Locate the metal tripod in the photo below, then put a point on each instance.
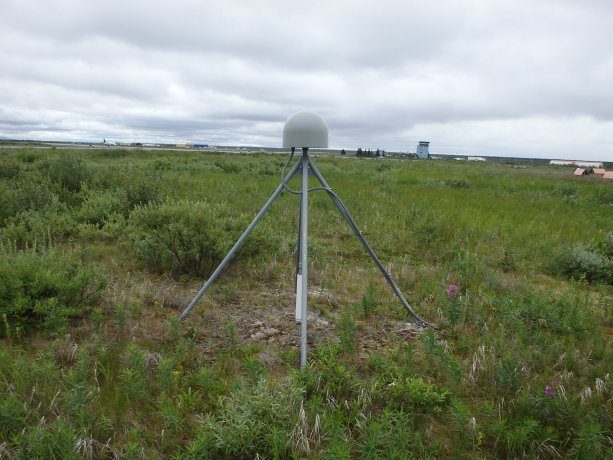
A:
(304, 164)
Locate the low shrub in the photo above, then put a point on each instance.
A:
(24, 195)
(429, 229)
(457, 183)
(112, 154)
(44, 290)
(9, 169)
(141, 187)
(98, 207)
(39, 229)
(508, 262)
(568, 314)
(604, 197)
(389, 434)
(47, 440)
(189, 237)
(328, 374)
(250, 421)
(68, 171)
(469, 268)
(414, 394)
(605, 246)
(132, 185)
(228, 166)
(592, 262)
(29, 155)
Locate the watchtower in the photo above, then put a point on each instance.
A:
(422, 149)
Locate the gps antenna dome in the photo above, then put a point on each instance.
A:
(305, 130)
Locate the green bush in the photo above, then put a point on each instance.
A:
(44, 290)
(228, 166)
(9, 169)
(250, 421)
(24, 195)
(328, 374)
(68, 171)
(47, 440)
(593, 262)
(604, 197)
(12, 417)
(39, 228)
(29, 155)
(188, 237)
(134, 185)
(141, 187)
(568, 314)
(112, 154)
(429, 228)
(414, 394)
(389, 434)
(605, 246)
(99, 206)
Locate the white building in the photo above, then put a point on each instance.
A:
(578, 163)
(588, 164)
(475, 159)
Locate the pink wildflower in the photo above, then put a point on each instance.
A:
(549, 391)
(452, 291)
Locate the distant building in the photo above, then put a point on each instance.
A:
(422, 149)
(599, 171)
(578, 163)
(475, 159)
(588, 164)
(580, 172)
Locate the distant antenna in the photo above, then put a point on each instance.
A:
(304, 130)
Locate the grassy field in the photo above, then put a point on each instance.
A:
(100, 250)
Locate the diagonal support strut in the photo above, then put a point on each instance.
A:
(343, 210)
(240, 241)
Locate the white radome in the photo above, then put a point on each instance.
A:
(305, 130)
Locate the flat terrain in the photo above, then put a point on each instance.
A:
(102, 249)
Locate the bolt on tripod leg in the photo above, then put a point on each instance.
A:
(343, 210)
(240, 241)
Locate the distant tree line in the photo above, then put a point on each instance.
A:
(369, 153)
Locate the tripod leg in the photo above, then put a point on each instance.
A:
(341, 207)
(240, 241)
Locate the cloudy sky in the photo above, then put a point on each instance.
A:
(530, 78)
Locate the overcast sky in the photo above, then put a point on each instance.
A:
(481, 77)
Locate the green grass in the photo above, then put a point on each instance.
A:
(116, 375)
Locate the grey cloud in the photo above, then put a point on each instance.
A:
(382, 74)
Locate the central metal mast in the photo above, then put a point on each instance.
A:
(304, 221)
